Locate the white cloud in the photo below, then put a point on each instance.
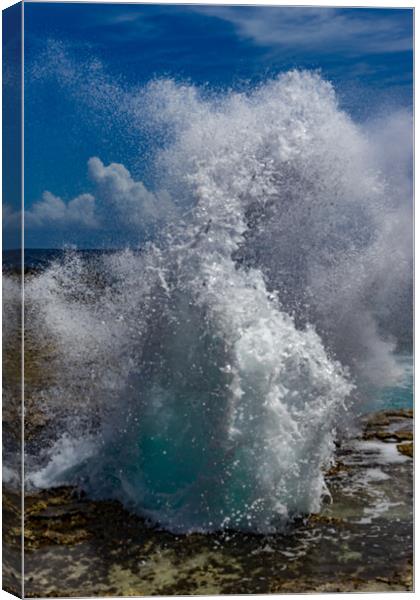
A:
(10, 218)
(128, 200)
(317, 28)
(117, 202)
(53, 211)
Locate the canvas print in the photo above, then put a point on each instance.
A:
(207, 299)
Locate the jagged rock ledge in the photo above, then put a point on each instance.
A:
(360, 542)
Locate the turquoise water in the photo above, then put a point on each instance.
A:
(399, 396)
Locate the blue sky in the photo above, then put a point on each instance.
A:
(78, 55)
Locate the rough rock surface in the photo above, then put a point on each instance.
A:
(360, 542)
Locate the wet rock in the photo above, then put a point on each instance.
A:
(406, 413)
(399, 436)
(406, 449)
(403, 435)
(339, 468)
(361, 542)
(389, 426)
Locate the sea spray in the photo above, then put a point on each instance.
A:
(198, 381)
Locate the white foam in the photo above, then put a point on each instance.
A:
(375, 474)
(381, 452)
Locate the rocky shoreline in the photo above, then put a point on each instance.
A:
(362, 541)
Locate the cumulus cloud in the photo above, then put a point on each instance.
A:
(53, 211)
(117, 203)
(127, 200)
(10, 218)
